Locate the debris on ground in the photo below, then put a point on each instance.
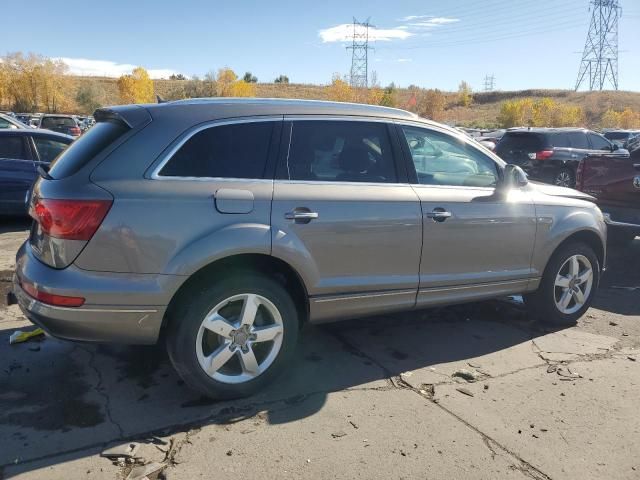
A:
(629, 357)
(613, 324)
(465, 374)
(567, 374)
(465, 391)
(353, 424)
(338, 434)
(126, 450)
(149, 471)
(19, 336)
(552, 368)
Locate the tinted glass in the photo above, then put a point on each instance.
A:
(598, 142)
(5, 123)
(560, 140)
(441, 159)
(578, 140)
(526, 142)
(49, 149)
(346, 151)
(85, 148)
(227, 151)
(617, 135)
(56, 122)
(12, 147)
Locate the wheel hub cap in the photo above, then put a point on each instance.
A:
(573, 284)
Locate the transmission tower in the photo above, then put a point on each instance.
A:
(359, 75)
(489, 83)
(600, 56)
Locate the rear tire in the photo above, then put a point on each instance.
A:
(231, 337)
(567, 287)
(565, 177)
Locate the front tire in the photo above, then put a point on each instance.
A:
(230, 338)
(567, 287)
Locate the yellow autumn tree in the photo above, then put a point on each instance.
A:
(629, 119)
(431, 104)
(136, 87)
(339, 90)
(225, 81)
(515, 113)
(465, 94)
(240, 88)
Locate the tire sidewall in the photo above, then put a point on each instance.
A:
(184, 327)
(544, 300)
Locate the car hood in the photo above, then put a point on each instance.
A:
(556, 191)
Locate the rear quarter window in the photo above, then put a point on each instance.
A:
(527, 142)
(99, 137)
(236, 150)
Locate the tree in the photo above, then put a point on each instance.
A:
(465, 94)
(515, 113)
(281, 79)
(137, 87)
(339, 90)
(224, 82)
(431, 103)
(249, 78)
(178, 76)
(240, 88)
(89, 97)
(389, 96)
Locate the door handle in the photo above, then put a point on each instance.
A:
(301, 216)
(439, 215)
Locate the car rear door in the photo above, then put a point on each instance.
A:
(344, 218)
(477, 242)
(17, 173)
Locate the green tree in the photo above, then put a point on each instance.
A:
(89, 97)
(281, 79)
(250, 78)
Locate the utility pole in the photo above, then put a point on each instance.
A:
(600, 57)
(489, 83)
(359, 75)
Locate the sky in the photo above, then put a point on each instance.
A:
(429, 43)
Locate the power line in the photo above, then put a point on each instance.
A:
(600, 56)
(359, 75)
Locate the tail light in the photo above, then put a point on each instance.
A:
(50, 298)
(74, 131)
(69, 219)
(580, 176)
(543, 154)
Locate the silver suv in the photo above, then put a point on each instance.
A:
(223, 226)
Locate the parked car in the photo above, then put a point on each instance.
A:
(615, 181)
(620, 137)
(21, 152)
(66, 124)
(551, 154)
(224, 225)
(9, 122)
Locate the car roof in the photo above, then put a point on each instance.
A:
(34, 132)
(547, 130)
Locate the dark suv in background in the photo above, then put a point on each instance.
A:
(551, 154)
(66, 124)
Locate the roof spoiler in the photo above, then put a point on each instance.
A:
(131, 115)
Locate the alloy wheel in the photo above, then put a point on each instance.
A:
(563, 179)
(573, 284)
(239, 338)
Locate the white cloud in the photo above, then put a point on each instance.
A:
(107, 68)
(405, 60)
(408, 18)
(434, 22)
(344, 33)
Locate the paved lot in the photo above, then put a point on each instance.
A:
(365, 399)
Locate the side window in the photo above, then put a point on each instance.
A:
(49, 149)
(441, 159)
(343, 151)
(227, 151)
(5, 123)
(560, 140)
(578, 140)
(598, 142)
(12, 147)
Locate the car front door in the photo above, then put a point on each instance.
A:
(17, 174)
(344, 218)
(477, 241)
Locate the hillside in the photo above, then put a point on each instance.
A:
(483, 111)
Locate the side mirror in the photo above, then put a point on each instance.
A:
(513, 177)
(615, 147)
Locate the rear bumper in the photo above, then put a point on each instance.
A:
(121, 308)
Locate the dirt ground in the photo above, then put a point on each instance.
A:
(373, 398)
